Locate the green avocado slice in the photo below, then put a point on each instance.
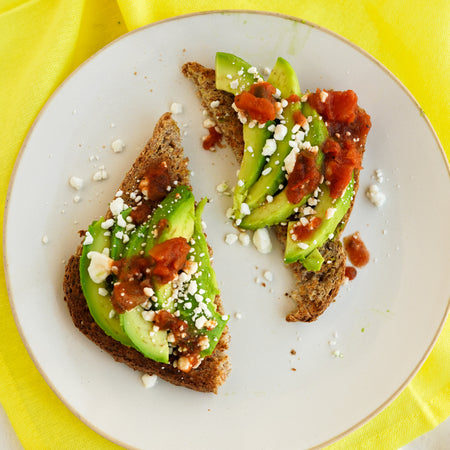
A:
(294, 251)
(100, 305)
(273, 175)
(280, 208)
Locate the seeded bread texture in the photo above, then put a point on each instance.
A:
(165, 145)
(314, 291)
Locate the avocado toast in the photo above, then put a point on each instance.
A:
(300, 158)
(141, 285)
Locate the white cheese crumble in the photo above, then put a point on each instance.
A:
(176, 108)
(148, 291)
(100, 175)
(374, 194)
(330, 213)
(88, 239)
(268, 275)
(76, 182)
(289, 161)
(245, 209)
(107, 224)
(234, 84)
(231, 238)
(149, 380)
(323, 96)
(76, 198)
(266, 171)
(280, 132)
(261, 240)
(44, 239)
(117, 206)
(117, 146)
(379, 175)
(269, 147)
(102, 291)
(215, 104)
(209, 123)
(302, 245)
(244, 239)
(99, 267)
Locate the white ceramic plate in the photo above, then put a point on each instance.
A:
(384, 323)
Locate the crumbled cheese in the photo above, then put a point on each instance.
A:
(269, 199)
(88, 239)
(44, 239)
(117, 206)
(107, 224)
(374, 194)
(234, 84)
(76, 183)
(307, 210)
(117, 146)
(215, 104)
(280, 132)
(323, 96)
(99, 267)
(100, 175)
(268, 275)
(379, 175)
(121, 221)
(269, 147)
(102, 291)
(266, 171)
(244, 239)
(289, 161)
(261, 240)
(200, 322)
(76, 198)
(209, 123)
(148, 315)
(245, 209)
(231, 238)
(302, 245)
(176, 108)
(149, 380)
(148, 291)
(330, 213)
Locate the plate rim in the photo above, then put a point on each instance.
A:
(61, 86)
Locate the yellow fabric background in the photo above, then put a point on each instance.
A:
(42, 41)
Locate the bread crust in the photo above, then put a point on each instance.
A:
(165, 144)
(314, 291)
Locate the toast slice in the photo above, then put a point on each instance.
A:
(314, 291)
(165, 145)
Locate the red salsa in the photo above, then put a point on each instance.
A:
(134, 274)
(350, 273)
(303, 232)
(304, 179)
(356, 250)
(213, 138)
(156, 181)
(258, 102)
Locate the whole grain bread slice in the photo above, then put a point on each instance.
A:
(165, 145)
(314, 291)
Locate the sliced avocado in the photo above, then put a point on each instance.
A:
(280, 208)
(117, 236)
(178, 210)
(228, 68)
(152, 344)
(207, 288)
(137, 242)
(273, 174)
(232, 73)
(99, 305)
(293, 251)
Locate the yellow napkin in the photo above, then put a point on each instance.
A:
(42, 41)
